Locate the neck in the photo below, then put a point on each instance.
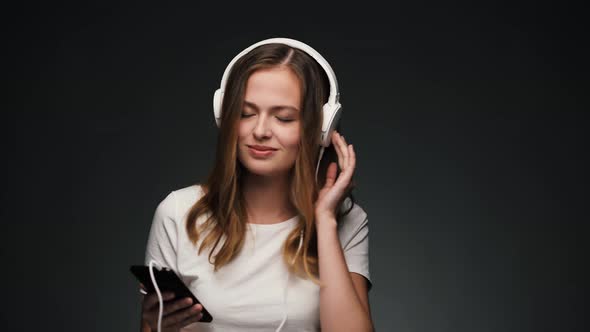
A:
(267, 198)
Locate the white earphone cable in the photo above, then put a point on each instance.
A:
(287, 284)
(296, 253)
(318, 165)
(152, 262)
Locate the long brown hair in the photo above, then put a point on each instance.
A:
(223, 200)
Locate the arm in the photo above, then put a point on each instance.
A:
(343, 302)
(360, 285)
(162, 240)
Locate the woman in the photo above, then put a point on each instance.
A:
(258, 239)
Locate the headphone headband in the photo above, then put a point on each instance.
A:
(334, 94)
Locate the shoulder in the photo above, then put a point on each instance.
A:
(189, 194)
(177, 199)
(352, 223)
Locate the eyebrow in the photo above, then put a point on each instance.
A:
(274, 108)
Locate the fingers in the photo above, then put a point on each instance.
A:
(346, 158)
(175, 314)
(177, 305)
(190, 320)
(151, 300)
(344, 151)
(350, 158)
(336, 141)
(184, 317)
(331, 175)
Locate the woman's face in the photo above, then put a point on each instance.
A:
(270, 118)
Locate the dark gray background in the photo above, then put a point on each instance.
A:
(468, 121)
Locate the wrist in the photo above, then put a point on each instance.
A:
(325, 221)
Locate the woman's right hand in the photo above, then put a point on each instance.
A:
(176, 314)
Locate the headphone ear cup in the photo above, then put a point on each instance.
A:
(332, 114)
(217, 98)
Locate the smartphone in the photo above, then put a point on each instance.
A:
(167, 281)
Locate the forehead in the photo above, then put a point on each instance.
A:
(273, 86)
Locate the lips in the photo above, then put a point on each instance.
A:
(260, 154)
(261, 148)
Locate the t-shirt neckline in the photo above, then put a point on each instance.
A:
(283, 223)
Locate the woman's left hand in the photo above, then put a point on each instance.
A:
(332, 194)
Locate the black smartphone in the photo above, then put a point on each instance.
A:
(167, 281)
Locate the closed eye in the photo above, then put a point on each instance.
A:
(280, 119)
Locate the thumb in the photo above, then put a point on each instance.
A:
(330, 175)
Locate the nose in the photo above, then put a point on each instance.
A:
(262, 129)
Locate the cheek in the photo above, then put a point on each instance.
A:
(242, 131)
(291, 140)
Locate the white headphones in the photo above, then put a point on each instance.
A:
(332, 109)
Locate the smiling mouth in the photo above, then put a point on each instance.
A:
(260, 153)
(267, 149)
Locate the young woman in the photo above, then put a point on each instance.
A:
(273, 240)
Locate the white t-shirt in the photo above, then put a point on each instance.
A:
(248, 293)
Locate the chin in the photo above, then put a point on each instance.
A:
(257, 167)
(263, 171)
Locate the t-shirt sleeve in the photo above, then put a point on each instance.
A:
(162, 240)
(356, 242)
